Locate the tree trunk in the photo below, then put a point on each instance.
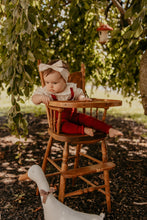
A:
(143, 81)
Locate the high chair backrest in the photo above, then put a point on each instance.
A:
(78, 78)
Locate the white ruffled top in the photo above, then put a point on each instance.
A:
(62, 96)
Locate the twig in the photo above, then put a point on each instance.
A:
(140, 203)
(133, 160)
(36, 210)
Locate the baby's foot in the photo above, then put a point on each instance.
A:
(89, 131)
(114, 133)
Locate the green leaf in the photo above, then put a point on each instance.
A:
(136, 24)
(28, 27)
(17, 107)
(23, 3)
(31, 56)
(128, 13)
(128, 34)
(21, 101)
(32, 12)
(13, 100)
(138, 32)
(26, 91)
(28, 76)
(86, 5)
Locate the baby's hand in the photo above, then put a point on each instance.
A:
(83, 98)
(87, 99)
(45, 99)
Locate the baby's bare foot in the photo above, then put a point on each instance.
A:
(114, 133)
(89, 131)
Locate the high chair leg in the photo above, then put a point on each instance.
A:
(106, 176)
(76, 162)
(107, 190)
(104, 151)
(46, 154)
(64, 167)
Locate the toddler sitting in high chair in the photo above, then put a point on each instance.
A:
(55, 75)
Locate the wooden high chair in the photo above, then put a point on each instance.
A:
(78, 140)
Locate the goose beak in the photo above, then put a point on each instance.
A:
(23, 177)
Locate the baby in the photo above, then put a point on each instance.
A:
(56, 87)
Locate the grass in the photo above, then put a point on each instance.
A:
(127, 110)
(28, 107)
(132, 110)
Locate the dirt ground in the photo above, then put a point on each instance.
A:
(127, 180)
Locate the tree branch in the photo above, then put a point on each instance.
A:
(118, 5)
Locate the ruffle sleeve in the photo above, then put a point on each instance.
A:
(77, 92)
(42, 91)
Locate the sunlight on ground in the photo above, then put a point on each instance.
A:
(11, 139)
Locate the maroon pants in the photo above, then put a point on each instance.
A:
(74, 123)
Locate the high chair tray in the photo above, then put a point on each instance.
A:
(96, 103)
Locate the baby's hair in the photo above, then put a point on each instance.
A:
(49, 70)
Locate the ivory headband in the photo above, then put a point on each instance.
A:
(58, 66)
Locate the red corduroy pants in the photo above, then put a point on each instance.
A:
(74, 123)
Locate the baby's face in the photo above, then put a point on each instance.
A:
(54, 82)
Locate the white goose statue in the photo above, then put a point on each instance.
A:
(53, 208)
